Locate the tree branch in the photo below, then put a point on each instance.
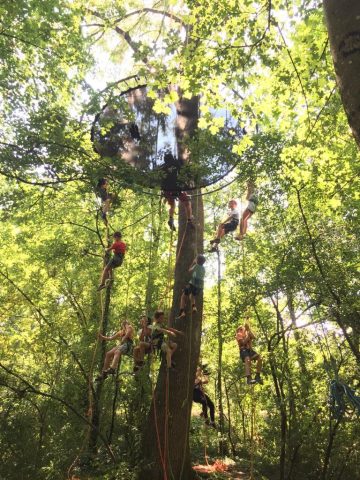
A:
(152, 10)
(296, 72)
(31, 389)
(39, 184)
(48, 323)
(133, 45)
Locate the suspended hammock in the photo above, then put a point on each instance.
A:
(127, 129)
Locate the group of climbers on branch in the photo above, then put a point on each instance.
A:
(151, 340)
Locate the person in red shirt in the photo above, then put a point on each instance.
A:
(119, 248)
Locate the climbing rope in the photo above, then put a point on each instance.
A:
(337, 391)
(252, 432)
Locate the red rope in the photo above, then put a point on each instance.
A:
(158, 438)
(166, 446)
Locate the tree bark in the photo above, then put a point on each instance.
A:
(166, 433)
(96, 391)
(326, 461)
(343, 24)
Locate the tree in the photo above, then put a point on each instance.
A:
(344, 35)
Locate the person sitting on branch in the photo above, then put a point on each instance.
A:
(229, 225)
(199, 396)
(119, 248)
(144, 346)
(250, 209)
(113, 356)
(244, 337)
(195, 285)
(107, 198)
(171, 191)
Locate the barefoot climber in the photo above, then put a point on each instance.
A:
(244, 337)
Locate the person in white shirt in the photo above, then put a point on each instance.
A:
(229, 225)
(250, 209)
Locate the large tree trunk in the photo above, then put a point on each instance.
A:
(166, 433)
(343, 24)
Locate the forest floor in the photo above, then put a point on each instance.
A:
(221, 470)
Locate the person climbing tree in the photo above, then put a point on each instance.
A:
(244, 337)
(250, 209)
(158, 341)
(119, 248)
(144, 346)
(170, 190)
(199, 396)
(107, 198)
(153, 339)
(195, 285)
(229, 225)
(125, 347)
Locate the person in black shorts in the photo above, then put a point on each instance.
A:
(244, 336)
(171, 190)
(107, 198)
(229, 225)
(199, 396)
(119, 248)
(195, 285)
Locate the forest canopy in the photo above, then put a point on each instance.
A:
(241, 99)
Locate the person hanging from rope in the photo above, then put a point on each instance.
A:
(199, 396)
(158, 342)
(144, 346)
(170, 190)
(244, 337)
(229, 225)
(112, 357)
(250, 209)
(107, 198)
(119, 248)
(195, 285)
